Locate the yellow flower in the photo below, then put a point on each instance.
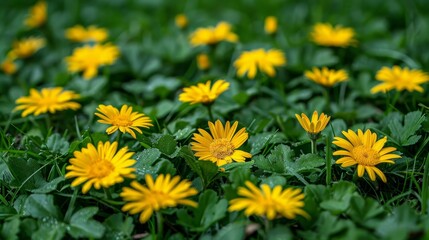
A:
(213, 35)
(163, 193)
(181, 20)
(26, 47)
(316, 125)
(269, 203)
(326, 77)
(203, 93)
(203, 61)
(270, 25)
(221, 145)
(251, 61)
(49, 99)
(400, 79)
(92, 34)
(363, 150)
(101, 167)
(325, 34)
(89, 58)
(8, 66)
(37, 15)
(125, 120)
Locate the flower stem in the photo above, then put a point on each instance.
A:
(118, 137)
(71, 206)
(391, 104)
(209, 110)
(159, 224)
(267, 224)
(107, 193)
(328, 161)
(314, 146)
(425, 186)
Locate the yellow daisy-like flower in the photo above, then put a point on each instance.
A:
(89, 58)
(325, 34)
(326, 77)
(91, 34)
(125, 120)
(26, 47)
(213, 35)
(363, 150)
(203, 93)
(269, 203)
(103, 166)
(8, 66)
(317, 123)
(203, 61)
(221, 145)
(48, 100)
(37, 15)
(163, 193)
(400, 79)
(251, 61)
(270, 25)
(181, 20)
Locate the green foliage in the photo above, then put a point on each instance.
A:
(404, 129)
(210, 210)
(157, 61)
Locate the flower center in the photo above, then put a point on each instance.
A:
(47, 101)
(101, 169)
(205, 98)
(365, 155)
(122, 122)
(221, 148)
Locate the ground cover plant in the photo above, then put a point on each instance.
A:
(214, 120)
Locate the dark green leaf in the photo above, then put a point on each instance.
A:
(118, 227)
(166, 144)
(210, 210)
(83, 226)
(309, 162)
(50, 186)
(50, 229)
(57, 144)
(41, 206)
(10, 229)
(405, 133)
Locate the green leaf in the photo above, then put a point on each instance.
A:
(208, 170)
(50, 186)
(41, 206)
(50, 229)
(25, 172)
(57, 144)
(187, 154)
(273, 181)
(10, 229)
(399, 224)
(183, 133)
(363, 210)
(83, 226)
(279, 159)
(323, 57)
(231, 231)
(210, 210)
(149, 162)
(309, 162)
(280, 233)
(118, 226)
(339, 197)
(405, 132)
(166, 144)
